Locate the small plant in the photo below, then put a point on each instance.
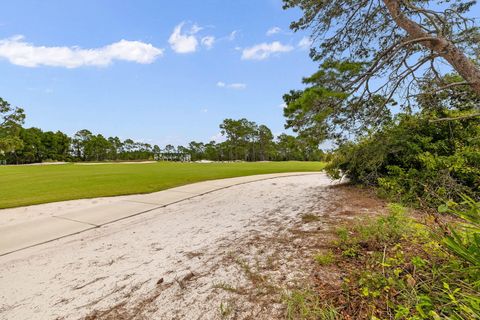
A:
(325, 258)
(385, 230)
(306, 305)
(225, 310)
(254, 276)
(347, 243)
(227, 287)
(464, 238)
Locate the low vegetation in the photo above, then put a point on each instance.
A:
(415, 161)
(394, 267)
(26, 185)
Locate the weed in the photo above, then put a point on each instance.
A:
(347, 243)
(306, 305)
(225, 310)
(227, 287)
(325, 258)
(385, 230)
(254, 276)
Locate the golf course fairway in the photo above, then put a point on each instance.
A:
(28, 185)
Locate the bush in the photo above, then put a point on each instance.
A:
(415, 161)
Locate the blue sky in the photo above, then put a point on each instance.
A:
(182, 67)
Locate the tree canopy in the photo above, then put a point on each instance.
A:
(11, 119)
(400, 45)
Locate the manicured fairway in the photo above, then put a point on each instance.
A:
(26, 185)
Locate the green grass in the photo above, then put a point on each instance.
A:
(306, 305)
(27, 185)
(324, 259)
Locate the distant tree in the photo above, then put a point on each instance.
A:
(80, 139)
(197, 150)
(240, 136)
(96, 148)
(116, 146)
(287, 147)
(32, 149)
(11, 120)
(265, 142)
(55, 146)
(231, 129)
(156, 151)
(169, 148)
(214, 151)
(128, 145)
(182, 149)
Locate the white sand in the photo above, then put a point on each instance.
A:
(112, 162)
(122, 263)
(40, 163)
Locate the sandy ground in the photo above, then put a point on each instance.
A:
(40, 164)
(184, 261)
(112, 162)
(81, 163)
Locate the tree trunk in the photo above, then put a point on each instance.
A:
(442, 46)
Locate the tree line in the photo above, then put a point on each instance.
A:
(244, 140)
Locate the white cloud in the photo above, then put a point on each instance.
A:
(208, 41)
(235, 86)
(305, 43)
(204, 110)
(264, 50)
(195, 29)
(184, 42)
(273, 30)
(232, 35)
(22, 53)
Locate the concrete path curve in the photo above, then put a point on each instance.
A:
(72, 218)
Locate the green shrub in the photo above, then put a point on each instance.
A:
(306, 305)
(415, 161)
(325, 258)
(385, 230)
